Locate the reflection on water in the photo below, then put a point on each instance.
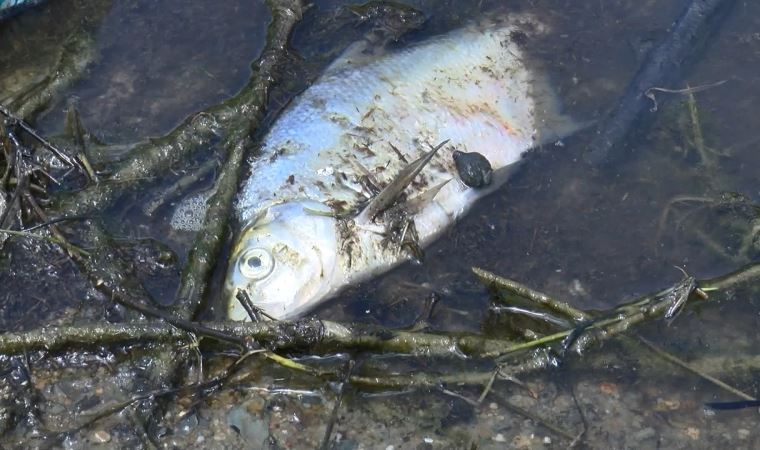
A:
(593, 238)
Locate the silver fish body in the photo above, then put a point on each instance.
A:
(303, 236)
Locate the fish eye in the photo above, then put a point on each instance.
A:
(256, 263)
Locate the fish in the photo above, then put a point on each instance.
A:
(357, 174)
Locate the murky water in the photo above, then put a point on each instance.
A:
(594, 238)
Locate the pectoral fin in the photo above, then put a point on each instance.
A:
(387, 197)
(416, 204)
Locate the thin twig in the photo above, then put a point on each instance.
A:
(684, 365)
(336, 408)
(541, 299)
(689, 90)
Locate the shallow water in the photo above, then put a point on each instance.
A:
(593, 238)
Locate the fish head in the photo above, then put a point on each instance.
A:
(285, 259)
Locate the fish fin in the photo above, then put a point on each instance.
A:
(551, 121)
(358, 54)
(390, 193)
(415, 205)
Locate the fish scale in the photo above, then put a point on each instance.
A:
(358, 102)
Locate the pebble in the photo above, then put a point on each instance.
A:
(101, 437)
(644, 434)
(607, 388)
(499, 438)
(692, 433)
(743, 433)
(663, 404)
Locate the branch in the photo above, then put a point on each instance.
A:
(239, 117)
(663, 66)
(234, 118)
(305, 334)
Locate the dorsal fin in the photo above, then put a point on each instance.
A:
(390, 193)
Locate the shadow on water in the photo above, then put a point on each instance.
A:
(592, 237)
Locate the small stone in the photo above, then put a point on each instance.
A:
(642, 435)
(743, 433)
(522, 441)
(255, 405)
(390, 447)
(547, 440)
(692, 433)
(499, 438)
(610, 389)
(493, 406)
(663, 404)
(427, 440)
(101, 437)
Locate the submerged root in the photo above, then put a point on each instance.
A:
(731, 211)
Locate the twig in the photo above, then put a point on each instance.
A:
(541, 299)
(234, 119)
(51, 239)
(179, 322)
(684, 365)
(488, 387)
(78, 51)
(253, 311)
(71, 162)
(336, 408)
(313, 333)
(674, 298)
(310, 334)
(569, 435)
(746, 274)
(649, 93)
(179, 186)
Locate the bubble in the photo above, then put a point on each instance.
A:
(189, 213)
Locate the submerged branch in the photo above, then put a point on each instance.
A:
(232, 119)
(209, 240)
(314, 334)
(663, 66)
(278, 336)
(77, 53)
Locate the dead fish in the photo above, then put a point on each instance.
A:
(361, 162)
